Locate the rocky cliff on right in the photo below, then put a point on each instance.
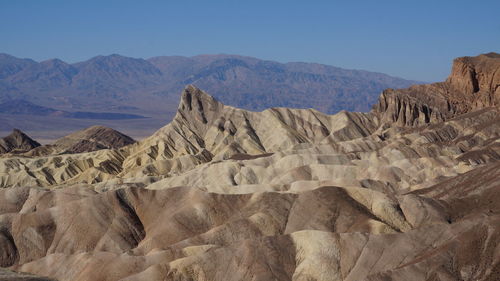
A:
(474, 83)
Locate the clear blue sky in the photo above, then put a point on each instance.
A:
(410, 39)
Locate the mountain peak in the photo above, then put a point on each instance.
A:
(194, 98)
(17, 141)
(93, 138)
(53, 62)
(10, 65)
(113, 59)
(108, 57)
(116, 71)
(470, 75)
(6, 56)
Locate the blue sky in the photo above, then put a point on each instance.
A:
(410, 39)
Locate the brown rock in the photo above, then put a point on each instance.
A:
(17, 142)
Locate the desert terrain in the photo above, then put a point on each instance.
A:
(407, 191)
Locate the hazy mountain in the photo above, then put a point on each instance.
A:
(114, 75)
(87, 140)
(153, 84)
(46, 75)
(17, 141)
(10, 65)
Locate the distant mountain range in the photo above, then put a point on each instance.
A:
(129, 85)
(23, 107)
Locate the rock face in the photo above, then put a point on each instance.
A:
(87, 140)
(478, 79)
(409, 191)
(474, 83)
(18, 142)
(93, 138)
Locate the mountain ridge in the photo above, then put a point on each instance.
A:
(241, 81)
(17, 142)
(87, 140)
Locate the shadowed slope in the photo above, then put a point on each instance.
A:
(185, 233)
(17, 142)
(87, 140)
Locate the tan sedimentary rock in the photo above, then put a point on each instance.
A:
(87, 140)
(325, 234)
(17, 142)
(474, 83)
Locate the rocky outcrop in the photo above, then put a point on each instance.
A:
(412, 108)
(477, 79)
(87, 140)
(474, 83)
(17, 142)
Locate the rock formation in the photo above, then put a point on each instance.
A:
(474, 83)
(17, 142)
(91, 139)
(409, 191)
